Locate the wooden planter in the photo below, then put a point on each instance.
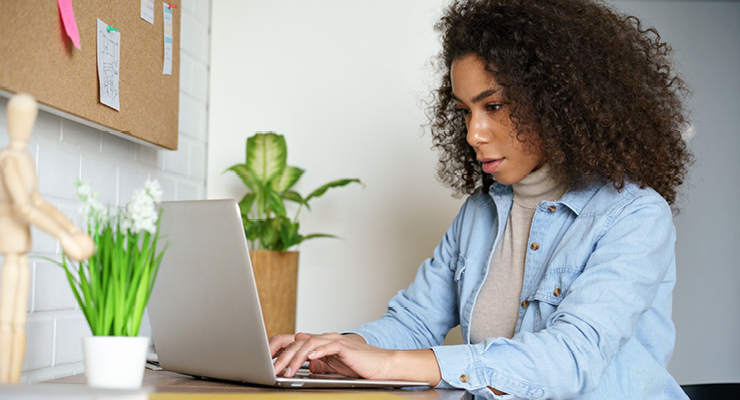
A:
(276, 275)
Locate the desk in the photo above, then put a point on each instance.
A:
(165, 385)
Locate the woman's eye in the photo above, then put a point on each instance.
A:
(493, 107)
(463, 111)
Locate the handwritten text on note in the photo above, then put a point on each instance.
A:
(167, 67)
(147, 11)
(109, 61)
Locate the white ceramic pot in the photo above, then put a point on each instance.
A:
(115, 362)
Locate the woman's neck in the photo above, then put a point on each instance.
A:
(537, 186)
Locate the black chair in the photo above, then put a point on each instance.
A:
(713, 391)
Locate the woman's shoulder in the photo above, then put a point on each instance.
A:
(605, 199)
(483, 205)
(484, 198)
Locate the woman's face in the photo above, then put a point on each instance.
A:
(480, 99)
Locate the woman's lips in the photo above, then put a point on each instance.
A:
(490, 165)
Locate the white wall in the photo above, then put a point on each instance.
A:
(65, 151)
(706, 39)
(343, 81)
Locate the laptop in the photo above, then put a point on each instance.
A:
(204, 310)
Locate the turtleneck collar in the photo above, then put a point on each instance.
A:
(536, 187)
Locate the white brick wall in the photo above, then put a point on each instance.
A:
(66, 151)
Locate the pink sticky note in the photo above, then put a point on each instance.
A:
(68, 19)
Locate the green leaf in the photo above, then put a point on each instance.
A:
(266, 173)
(275, 202)
(113, 286)
(294, 197)
(289, 234)
(261, 199)
(338, 183)
(246, 175)
(245, 205)
(270, 235)
(267, 155)
(319, 235)
(253, 229)
(287, 179)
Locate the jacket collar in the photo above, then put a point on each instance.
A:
(574, 199)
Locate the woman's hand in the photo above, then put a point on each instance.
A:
(349, 355)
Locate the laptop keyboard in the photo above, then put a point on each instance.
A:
(305, 373)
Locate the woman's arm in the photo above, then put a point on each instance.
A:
(421, 315)
(417, 318)
(349, 355)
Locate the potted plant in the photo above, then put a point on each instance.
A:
(271, 232)
(112, 288)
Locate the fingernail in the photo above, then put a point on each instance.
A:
(312, 354)
(288, 372)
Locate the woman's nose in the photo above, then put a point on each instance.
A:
(478, 133)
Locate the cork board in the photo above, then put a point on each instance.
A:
(38, 58)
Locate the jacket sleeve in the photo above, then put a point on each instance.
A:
(632, 256)
(422, 315)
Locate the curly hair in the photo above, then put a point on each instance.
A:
(589, 86)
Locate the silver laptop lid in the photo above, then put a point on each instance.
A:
(204, 309)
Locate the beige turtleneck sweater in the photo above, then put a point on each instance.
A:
(497, 306)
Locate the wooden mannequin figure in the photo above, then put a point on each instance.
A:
(22, 205)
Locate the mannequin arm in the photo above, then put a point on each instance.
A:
(76, 244)
(22, 201)
(52, 212)
(13, 183)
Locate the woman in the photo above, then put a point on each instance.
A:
(560, 265)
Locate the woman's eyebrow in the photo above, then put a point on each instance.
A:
(481, 96)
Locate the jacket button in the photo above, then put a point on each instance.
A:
(552, 208)
(464, 378)
(525, 304)
(556, 292)
(534, 246)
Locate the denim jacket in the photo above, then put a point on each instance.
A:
(595, 314)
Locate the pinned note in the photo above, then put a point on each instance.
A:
(167, 67)
(68, 19)
(147, 11)
(109, 61)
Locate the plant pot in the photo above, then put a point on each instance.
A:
(276, 275)
(115, 362)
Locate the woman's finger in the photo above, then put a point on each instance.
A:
(335, 356)
(286, 357)
(301, 353)
(318, 367)
(295, 354)
(303, 336)
(324, 350)
(279, 342)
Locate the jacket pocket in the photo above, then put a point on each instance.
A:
(555, 285)
(552, 289)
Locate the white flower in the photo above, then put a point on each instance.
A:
(141, 213)
(154, 190)
(125, 225)
(93, 211)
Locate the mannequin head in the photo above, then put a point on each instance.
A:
(22, 111)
